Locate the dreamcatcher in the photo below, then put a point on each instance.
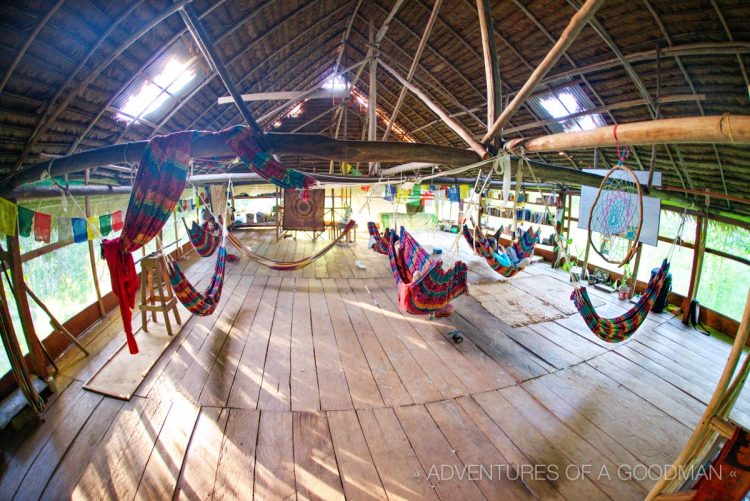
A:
(616, 215)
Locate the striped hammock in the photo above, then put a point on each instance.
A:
(423, 286)
(524, 245)
(205, 242)
(614, 330)
(381, 241)
(290, 265)
(483, 248)
(197, 303)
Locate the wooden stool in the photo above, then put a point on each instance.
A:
(154, 273)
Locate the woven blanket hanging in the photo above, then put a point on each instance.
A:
(620, 328)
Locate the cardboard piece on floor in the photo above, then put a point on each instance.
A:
(123, 373)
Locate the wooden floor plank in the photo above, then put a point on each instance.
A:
(334, 388)
(235, 470)
(411, 374)
(362, 387)
(305, 394)
(198, 472)
(275, 390)
(539, 449)
(397, 463)
(163, 467)
(436, 455)
(246, 385)
(315, 467)
(473, 448)
(358, 473)
(274, 457)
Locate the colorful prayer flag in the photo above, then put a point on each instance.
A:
(42, 227)
(64, 229)
(105, 224)
(93, 223)
(415, 197)
(8, 217)
(464, 191)
(80, 232)
(25, 221)
(117, 220)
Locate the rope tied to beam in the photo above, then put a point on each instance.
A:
(727, 117)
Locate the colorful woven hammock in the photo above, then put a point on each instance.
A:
(423, 286)
(197, 303)
(157, 188)
(158, 185)
(620, 328)
(290, 265)
(524, 245)
(483, 248)
(244, 144)
(205, 242)
(381, 241)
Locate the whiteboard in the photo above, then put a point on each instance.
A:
(651, 213)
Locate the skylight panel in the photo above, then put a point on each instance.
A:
(154, 93)
(571, 101)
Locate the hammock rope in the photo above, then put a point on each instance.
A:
(290, 265)
(423, 286)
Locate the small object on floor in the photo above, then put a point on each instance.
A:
(456, 336)
(232, 258)
(360, 265)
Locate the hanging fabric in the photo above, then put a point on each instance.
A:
(423, 286)
(117, 221)
(158, 185)
(64, 229)
(291, 265)
(25, 221)
(8, 217)
(80, 230)
(620, 328)
(524, 245)
(244, 144)
(42, 227)
(105, 224)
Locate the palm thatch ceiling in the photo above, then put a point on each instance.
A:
(68, 67)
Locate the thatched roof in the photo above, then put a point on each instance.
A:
(69, 83)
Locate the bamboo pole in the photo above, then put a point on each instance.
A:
(414, 64)
(577, 23)
(372, 101)
(491, 68)
(459, 129)
(712, 409)
(724, 129)
(92, 254)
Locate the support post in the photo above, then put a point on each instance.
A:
(92, 253)
(695, 272)
(372, 101)
(24, 312)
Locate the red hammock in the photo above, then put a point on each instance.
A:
(423, 286)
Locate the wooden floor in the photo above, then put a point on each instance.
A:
(310, 384)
